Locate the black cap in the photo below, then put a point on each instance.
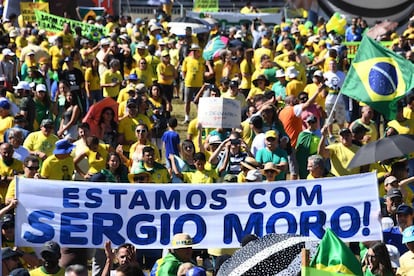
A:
(131, 102)
(51, 247)
(7, 253)
(404, 209)
(234, 83)
(68, 59)
(345, 131)
(394, 192)
(358, 128)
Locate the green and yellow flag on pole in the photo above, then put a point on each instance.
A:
(378, 77)
(334, 257)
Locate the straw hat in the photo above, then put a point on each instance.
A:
(181, 240)
(270, 166)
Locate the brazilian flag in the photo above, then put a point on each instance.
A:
(378, 77)
(334, 256)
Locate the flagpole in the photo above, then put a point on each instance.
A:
(333, 108)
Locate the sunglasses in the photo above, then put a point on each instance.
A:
(141, 130)
(303, 99)
(140, 178)
(32, 168)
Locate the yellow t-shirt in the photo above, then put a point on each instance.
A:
(58, 169)
(40, 271)
(246, 68)
(311, 89)
(194, 69)
(167, 70)
(201, 177)
(258, 53)
(5, 124)
(37, 141)
(144, 76)
(92, 79)
(110, 77)
(294, 87)
(15, 168)
(340, 158)
(97, 159)
(57, 55)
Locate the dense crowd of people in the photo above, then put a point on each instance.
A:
(287, 78)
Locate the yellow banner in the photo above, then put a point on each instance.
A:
(27, 10)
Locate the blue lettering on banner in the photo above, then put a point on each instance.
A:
(97, 201)
(162, 202)
(286, 196)
(355, 219)
(66, 228)
(201, 195)
(315, 225)
(34, 220)
(149, 231)
(302, 192)
(165, 230)
(117, 194)
(288, 217)
(199, 223)
(232, 222)
(68, 194)
(100, 228)
(139, 199)
(215, 195)
(251, 201)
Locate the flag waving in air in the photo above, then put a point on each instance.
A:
(334, 256)
(378, 77)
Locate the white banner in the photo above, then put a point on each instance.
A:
(219, 113)
(84, 214)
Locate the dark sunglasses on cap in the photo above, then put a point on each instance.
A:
(140, 178)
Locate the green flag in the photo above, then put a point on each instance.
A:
(378, 77)
(334, 256)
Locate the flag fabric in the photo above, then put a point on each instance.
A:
(334, 256)
(378, 77)
(311, 271)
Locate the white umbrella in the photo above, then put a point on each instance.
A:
(178, 28)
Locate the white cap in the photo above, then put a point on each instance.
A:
(105, 41)
(291, 72)
(254, 175)
(22, 85)
(215, 139)
(7, 52)
(280, 73)
(40, 87)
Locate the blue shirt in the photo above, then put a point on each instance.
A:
(171, 140)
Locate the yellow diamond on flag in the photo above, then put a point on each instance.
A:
(381, 78)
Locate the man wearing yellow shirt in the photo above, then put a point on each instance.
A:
(193, 72)
(312, 88)
(166, 76)
(316, 167)
(111, 80)
(159, 174)
(42, 143)
(60, 165)
(50, 254)
(340, 154)
(201, 175)
(294, 86)
(9, 167)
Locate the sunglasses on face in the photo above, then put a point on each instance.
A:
(33, 168)
(140, 178)
(141, 130)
